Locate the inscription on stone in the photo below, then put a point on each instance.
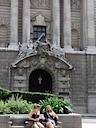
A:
(40, 4)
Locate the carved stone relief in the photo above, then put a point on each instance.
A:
(75, 4)
(45, 4)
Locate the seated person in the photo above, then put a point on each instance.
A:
(50, 115)
(34, 116)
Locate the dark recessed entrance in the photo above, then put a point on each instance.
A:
(40, 81)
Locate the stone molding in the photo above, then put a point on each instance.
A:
(47, 18)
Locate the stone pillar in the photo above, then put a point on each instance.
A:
(26, 21)
(90, 26)
(67, 25)
(84, 21)
(14, 25)
(56, 22)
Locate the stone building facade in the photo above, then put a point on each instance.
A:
(50, 46)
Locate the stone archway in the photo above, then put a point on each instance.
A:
(40, 81)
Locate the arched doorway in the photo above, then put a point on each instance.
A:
(40, 81)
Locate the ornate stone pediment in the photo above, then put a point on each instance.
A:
(42, 49)
(46, 18)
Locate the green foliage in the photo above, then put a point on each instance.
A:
(15, 102)
(34, 97)
(15, 105)
(2, 106)
(59, 105)
(4, 93)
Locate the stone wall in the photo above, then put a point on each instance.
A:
(83, 79)
(6, 58)
(4, 119)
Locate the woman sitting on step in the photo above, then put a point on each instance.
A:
(38, 122)
(34, 116)
(51, 116)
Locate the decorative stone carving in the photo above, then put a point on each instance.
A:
(20, 71)
(40, 4)
(75, 4)
(40, 47)
(42, 55)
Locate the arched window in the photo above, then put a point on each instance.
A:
(3, 35)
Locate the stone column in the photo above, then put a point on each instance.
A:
(84, 21)
(56, 22)
(26, 21)
(90, 26)
(14, 25)
(67, 25)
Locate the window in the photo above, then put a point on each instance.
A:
(37, 32)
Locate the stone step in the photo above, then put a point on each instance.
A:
(17, 126)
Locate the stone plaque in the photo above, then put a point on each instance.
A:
(43, 4)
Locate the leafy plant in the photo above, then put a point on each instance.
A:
(34, 97)
(1, 106)
(16, 105)
(59, 105)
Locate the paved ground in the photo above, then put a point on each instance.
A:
(89, 122)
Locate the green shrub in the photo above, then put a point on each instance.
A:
(59, 105)
(15, 105)
(2, 106)
(34, 97)
(15, 102)
(4, 94)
